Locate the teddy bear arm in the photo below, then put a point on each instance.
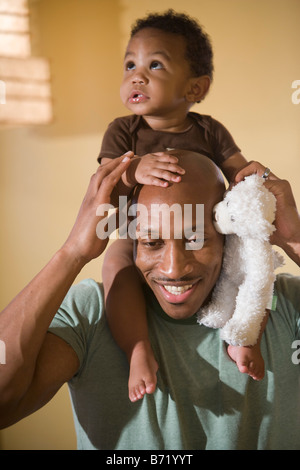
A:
(253, 297)
(222, 304)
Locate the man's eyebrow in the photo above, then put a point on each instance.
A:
(148, 232)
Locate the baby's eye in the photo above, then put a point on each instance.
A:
(130, 65)
(156, 65)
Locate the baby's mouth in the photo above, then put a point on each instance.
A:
(138, 97)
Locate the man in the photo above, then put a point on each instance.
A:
(202, 401)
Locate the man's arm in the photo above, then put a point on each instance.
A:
(287, 222)
(37, 362)
(56, 364)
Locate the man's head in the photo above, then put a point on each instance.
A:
(182, 279)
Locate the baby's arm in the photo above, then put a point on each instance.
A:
(126, 314)
(232, 165)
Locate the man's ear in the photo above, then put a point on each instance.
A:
(198, 89)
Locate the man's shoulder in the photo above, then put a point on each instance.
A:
(287, 295)
(85, 299)
(288, 283)
(86, 286)
(80, 317)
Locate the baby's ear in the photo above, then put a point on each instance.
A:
(198, 89)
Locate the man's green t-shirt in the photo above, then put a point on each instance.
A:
(202, 401)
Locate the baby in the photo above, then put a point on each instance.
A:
(168, 67)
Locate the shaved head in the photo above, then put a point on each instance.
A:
(202, 182)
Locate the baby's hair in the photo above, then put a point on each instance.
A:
(198, 45)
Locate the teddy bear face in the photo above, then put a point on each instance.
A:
(223, 218)
(247, 210)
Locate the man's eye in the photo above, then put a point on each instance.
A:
(130, 65)
(154, 244)
(195, 243)
(156, 65)
(194, 240)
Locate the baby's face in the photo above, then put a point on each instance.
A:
(156, 74)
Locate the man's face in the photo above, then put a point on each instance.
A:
(181, 278)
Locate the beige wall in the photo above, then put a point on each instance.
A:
(44, 171)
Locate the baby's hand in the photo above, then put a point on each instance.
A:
(158, 169)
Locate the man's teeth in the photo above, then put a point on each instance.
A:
(176, 290)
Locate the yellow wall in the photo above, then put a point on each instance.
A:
(44, 171)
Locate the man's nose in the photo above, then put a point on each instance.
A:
(176, 261)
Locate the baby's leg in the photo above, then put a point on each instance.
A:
(126, 314)
(249, 359)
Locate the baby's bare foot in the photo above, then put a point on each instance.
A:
(143, 368)
(248, 359)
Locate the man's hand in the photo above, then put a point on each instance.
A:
(158, 169)
(287, 221)
(83, 241)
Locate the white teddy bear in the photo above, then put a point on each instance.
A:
(245, 286)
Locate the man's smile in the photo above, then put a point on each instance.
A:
(176, 290)
(177, 293)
